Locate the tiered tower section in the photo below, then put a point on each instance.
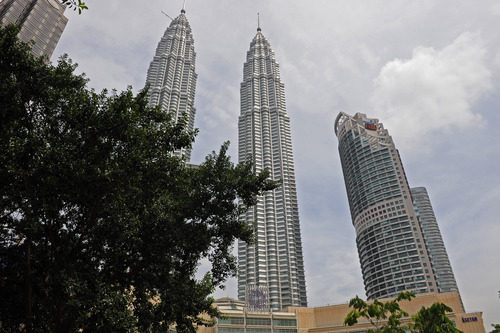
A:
(391, 246)
(274, 260)
(171, 75)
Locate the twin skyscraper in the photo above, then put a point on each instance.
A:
(399, 243)
(273, 264)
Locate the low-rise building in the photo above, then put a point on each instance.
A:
(239, 318)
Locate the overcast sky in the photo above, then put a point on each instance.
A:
(428, 69)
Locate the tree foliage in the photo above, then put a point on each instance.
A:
(101, 228)
(496, 328)
(75, 5)
(434, 320)
(384, 317)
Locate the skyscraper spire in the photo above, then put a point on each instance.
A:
(172, 77)
(274, 261)
(258, 22)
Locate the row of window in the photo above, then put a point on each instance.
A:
(253, 330)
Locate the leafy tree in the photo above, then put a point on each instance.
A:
(496, 328)
(101, 227)
(75, 5)
(434, 320)
(384, 317)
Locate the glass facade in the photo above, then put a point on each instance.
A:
(284, 322)
(439, 257)
(41, 21)
(252, 324)
(391, 247)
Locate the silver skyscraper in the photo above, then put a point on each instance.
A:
(432, 236)
(171, 74)
(41, 21)
(274, 261)
(391, 246)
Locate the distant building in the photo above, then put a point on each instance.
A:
(172, 77)
(41, 21)
(439, 257)
(330, 318)
(389, 237)
(237, 318)
(274, 260)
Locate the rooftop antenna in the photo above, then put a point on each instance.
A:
(183, 10)
(167, 15)
(258, 21)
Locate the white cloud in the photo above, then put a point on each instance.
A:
(496, 60)
(335, 277)
(495, 9)
(479, 241)
(433, 91)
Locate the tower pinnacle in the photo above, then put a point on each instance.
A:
(258, 22)
(176, 94)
